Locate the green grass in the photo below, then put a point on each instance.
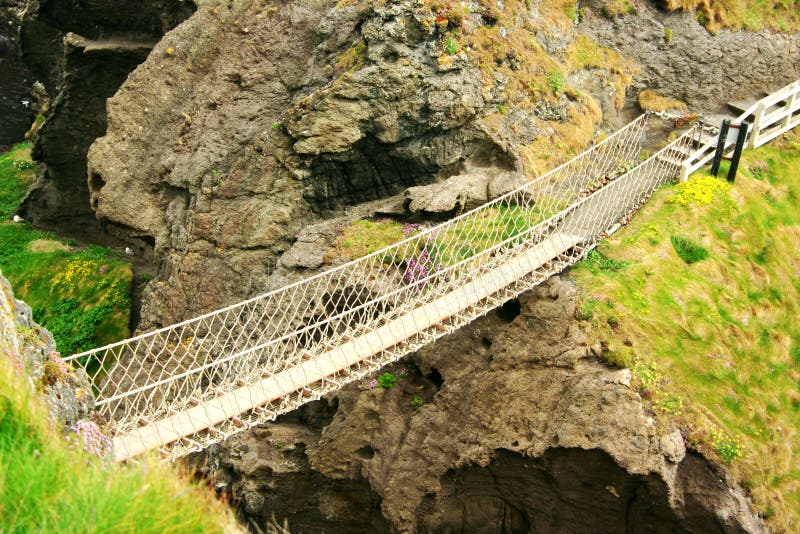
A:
(752, 15)
(723, 334)
(472, 235)
(688, 250)
(45, 486)
(81, 296)
(13, 182)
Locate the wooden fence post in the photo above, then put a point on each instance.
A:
(756, 125)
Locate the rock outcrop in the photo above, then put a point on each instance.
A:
(32, 351)
(81, 54)
(253, 120)
(508, 425)
(15, 79)
(678, 57)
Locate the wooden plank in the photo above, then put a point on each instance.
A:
(212, 412)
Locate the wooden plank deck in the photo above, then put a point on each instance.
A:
(214, 411)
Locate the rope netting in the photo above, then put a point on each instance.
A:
(183, 387)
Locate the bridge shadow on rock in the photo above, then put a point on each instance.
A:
(571, 490)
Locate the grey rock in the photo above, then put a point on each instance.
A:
(703, 70)
(456, 194)
(82, 54)
(31, 348)
(520, 426)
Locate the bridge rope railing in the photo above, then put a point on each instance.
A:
(182, 387)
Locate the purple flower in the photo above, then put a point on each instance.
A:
(410, 228)
(417, 270)
(90, 438)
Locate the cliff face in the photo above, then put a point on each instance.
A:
(15, 79)
(679, 58)
(516, 427)
(82, 53)
(250, 121)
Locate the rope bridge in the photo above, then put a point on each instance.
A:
(181, 388)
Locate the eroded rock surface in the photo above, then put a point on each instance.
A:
(32, 351)
(253, 120)
(706, 71)
(81, 53)
(519, 430)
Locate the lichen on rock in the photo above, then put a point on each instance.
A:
(32, 351)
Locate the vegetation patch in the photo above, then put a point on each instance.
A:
(81, 296)
(753, 15)
(387, 380)
(54, 483)
(699, 189)
(688, 250)
(584, 53)
(619, 8)
(715, 344)
(362, 237)
(652, 101)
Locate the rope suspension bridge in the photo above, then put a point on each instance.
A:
(181, 388)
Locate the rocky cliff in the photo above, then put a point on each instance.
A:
(81, 53)
(252, 120)
(32, 351)
(508, 425)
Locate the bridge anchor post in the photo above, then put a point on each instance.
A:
(723, 138)
(737, 151)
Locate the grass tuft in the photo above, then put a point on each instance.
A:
(688, 250)
(48, 486)
(652, 101)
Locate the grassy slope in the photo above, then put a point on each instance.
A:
(776, 15)
(82, 297)
(716, 343)
(47, 487)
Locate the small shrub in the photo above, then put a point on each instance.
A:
(417, 402)
(387, 380)
(688, 250)
(619, 8)
(555, 79)
(597, 262)
(728, 448)
(667, 34)
(451, 47)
